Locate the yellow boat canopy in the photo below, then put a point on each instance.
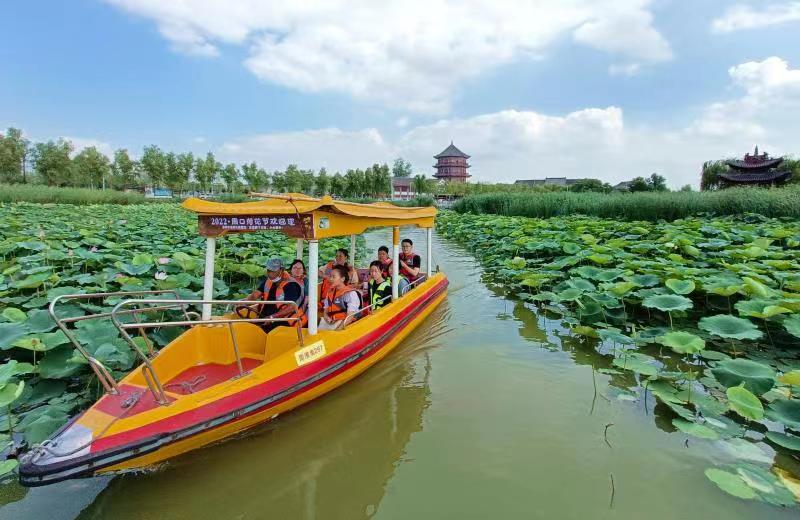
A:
(300, 216)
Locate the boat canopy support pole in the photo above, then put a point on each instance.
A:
(395, 261)
(208, 276)
(299, 249)
(428, 256)
(313, 275)
(353, 251)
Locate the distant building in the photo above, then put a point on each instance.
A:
(403, 188)
(755, 170)
(622, 186)
(451, 165)
(550, 181)
(157, 193)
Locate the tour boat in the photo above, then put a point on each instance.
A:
(224, 374)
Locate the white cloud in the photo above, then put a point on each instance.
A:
(331, 148)
(743, 16)
(409, 54)
(79, 143)
(593, 142)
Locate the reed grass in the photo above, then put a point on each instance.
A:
(80, 196)
(777, 202)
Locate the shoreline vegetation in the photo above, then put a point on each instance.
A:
(650, 206)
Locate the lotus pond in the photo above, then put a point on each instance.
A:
(702, 313)
(48, 250)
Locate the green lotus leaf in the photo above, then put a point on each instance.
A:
(587, 271)
(9, 333)
(134, 270)
(790, 378)
(581, 284)
(727, 326)
(682, 342)
(13, 368)
(58, 363)
(637, 362)
(680, 286)
(14, 315)
(189, 263)
(695, 430)
(142, 259)
(765, 484)
(620, 288)
(615, 337)
(515, 263)
(760, 308)
(583, 330)
(42, 426)
(570, 248)
(607, 275)
(668, 302)
(645, 280)
(571, 294)
(753, 287)
(743, 402)
(791, 442)
(601, 259)
(757, 377)
(9, 393)
(792, 325)
(7, 466)
(786, 412)
(33, 281)
(730, 483)
(40, 321)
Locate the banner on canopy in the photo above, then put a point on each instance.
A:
(294, 226)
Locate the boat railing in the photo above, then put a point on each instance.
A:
(102, 373)
(148, 372)
(352, 316)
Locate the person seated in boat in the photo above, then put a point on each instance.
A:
(379, 287)
(277, 286)
(342, 258)
(297, 276)
(340, 300)
(410, 262)
(386, 261)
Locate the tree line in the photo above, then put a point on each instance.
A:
(54, 164)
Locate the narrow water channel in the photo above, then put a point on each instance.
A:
(485, 411)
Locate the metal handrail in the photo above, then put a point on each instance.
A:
(148, 371)
(362, 309)
(100, 371)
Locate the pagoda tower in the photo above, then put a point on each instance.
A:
(757, 169)
(451, 165)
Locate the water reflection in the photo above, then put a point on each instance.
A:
(330, 459)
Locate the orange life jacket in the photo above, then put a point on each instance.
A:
(279, 293)
(301, 305)
(337, 308)
(408, 259)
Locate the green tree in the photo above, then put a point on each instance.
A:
(401, 168)
(279, 181)
(382, 180)
(124, 170)
(420, 185)
(657, 183)
(639, 184)
(307, 182)
(154, 165)
(338, 185)
(185, 168)
(709, 176)
(595, 185)
(255, 177)
(14, 150)
(322, 184)
(230, 176)
(90, 168)
(293, 179)
(52, 163)
(686, 187)
(206, 171)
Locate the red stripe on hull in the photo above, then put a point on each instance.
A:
(251, 395)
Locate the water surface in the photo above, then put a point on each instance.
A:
(488, 410)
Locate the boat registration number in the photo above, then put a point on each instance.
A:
(310, 353)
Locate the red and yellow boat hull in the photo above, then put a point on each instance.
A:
(209, 403)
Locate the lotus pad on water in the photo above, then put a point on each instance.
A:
(756, 377)
(727, 326)
(682, 342)
(668, 302)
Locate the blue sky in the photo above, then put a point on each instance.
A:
(609, 89)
